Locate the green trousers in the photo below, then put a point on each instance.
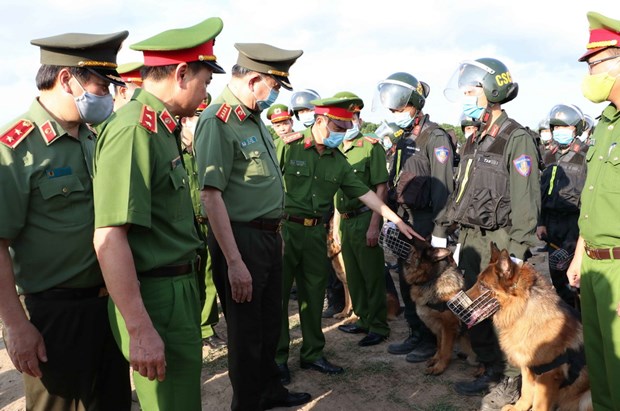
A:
(365, 278)
(305, 253)
(173, 305)
(600, 295)
(209, 316)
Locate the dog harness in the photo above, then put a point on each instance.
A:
(575, 359)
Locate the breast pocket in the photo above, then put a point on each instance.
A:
(256, 158)
(59, 193)
(360, 167)
(178, 200)
(610, 178)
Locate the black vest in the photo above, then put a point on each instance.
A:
(562, 182)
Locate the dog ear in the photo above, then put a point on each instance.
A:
(504, 265)
(494, 252)
(438, 254)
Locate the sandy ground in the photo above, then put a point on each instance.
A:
(373, 380)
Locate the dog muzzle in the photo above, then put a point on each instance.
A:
(392, 241)
(560, 259)
(471, 312)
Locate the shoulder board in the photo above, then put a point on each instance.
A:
(223, 113)
(16, 133)
(371, 140)
(148, 119)
(289, 138)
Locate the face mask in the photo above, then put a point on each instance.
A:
(563, 136)
(387, 143)
(468, 134)
(334, 139)
(597, 87)
(351, 133)
(545, 136)
(307, 118)
(271, 98)
(402, 119)
(471, 107)
(93, 109)
(191, 126)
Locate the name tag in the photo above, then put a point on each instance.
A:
(58, 172)
(248, 141)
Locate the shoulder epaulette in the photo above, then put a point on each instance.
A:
(371, 140)
(223, 113)
(289, 138)
(15, 134)
(148, 119)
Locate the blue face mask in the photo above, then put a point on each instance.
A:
(471, 107)
(402, 119)
(271, 98)
(335, 139)
(387, 143)
(351, 133)
(563, 136)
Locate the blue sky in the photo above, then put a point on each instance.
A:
(347, 46)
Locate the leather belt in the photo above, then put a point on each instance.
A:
(603, 253)
(355, 213)
(168, 271)
(307, 222)
(70, 293)
(265, 224)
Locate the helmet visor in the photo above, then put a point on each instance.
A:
(468, 75)
(392, 94)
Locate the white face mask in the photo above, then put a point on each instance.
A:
(307, 118)
(402, 119)
(93, 108)
(545, 136)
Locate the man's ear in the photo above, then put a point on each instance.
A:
(181, 74)
(63, 78)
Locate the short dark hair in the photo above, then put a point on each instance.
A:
(46, 76)
(240, 71)
(158, 73)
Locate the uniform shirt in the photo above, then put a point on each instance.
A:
(235, 154)
(599, 224)
(47, 203)
(311, 179)
(369, 165)
(194, 184)
(140, 180)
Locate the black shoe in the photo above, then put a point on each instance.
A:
(329, 312)
(214, 342)
(506, 392)
(352, 329)
(406, 346)
(480, 385)
(372, 339)
(292, 399)
(322, 365)
(285, 374)
(422, 352)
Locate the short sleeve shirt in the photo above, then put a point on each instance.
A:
(140, 180)
(367, 158)
(311, 179)
(47, 203)
(236, 155)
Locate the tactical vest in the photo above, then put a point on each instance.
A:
(482, 195)
(561, 183)
(413, 167)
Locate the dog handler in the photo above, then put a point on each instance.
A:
(596, 265)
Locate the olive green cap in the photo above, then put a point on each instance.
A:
(95, 52)
(357, 104)
(268, 59)
(183, 45)
(604, 32)
(278, 113)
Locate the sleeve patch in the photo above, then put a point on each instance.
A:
(148, 119)
(523, 165)
(223, 113)
(17, 133)
(442, 154)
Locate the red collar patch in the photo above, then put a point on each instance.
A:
(14, 135)
(240, 112)
(148, 119)
(307, 142)
(168, 121)
(48, 132)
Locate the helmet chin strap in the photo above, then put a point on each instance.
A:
(485, 118)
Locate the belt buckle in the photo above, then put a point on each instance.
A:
(308, 222)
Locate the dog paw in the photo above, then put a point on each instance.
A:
(342, 314)
(435, 370)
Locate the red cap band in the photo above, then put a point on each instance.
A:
(337, 113)
(603, 38)
(166, 57)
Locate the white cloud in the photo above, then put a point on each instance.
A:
(347, 45)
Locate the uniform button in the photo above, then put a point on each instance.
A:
(297, 173)
(615, 158)
(313, 195)
(183, 181)
(610, 127)
(585, 216)
(600, 157)
(315, 177)
(591, 188)
(355, 171)
(65, 190)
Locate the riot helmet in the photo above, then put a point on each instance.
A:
(300, 100)
(567, 115)
(399, 90)
(487, 73)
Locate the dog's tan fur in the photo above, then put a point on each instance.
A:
(535, 328)
(435, 279)
(335, 255)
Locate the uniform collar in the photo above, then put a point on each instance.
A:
(51, 131)
(239, 109)
(165, 117)
(610, 112)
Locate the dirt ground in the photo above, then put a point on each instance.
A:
(373, 378)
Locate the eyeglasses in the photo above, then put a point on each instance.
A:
(599, 61)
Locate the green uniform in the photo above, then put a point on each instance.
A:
(209, 315)
(600, 279)
(236, 155)
(311, 180)
(364, 265)
(47, 214)
(140, 180)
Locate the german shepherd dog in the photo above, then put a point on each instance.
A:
(435, 279)
(539, 333)
(335, 255)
